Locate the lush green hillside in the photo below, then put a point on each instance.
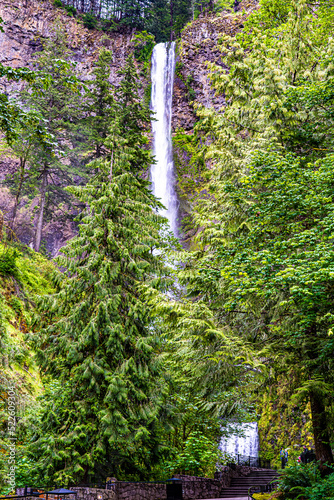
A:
(24, 275)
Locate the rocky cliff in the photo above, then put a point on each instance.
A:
(26, 24)
(198, 45)
(29, 22)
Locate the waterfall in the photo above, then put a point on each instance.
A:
(246, 444)
(162, 172)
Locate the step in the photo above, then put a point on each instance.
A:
(240, 485)
(232, 495)
(253, 479)
(234, 489)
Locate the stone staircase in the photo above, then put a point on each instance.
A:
(239, 485)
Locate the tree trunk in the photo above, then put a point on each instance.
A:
(323, 450)
(19, 189)
(171, 19)
(39, 226)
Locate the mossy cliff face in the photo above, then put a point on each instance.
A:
(198, 46)
(24, 275)
(284, 423)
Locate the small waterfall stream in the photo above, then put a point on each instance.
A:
(247, 445)
(162, 172)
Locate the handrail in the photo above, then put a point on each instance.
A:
(249, 461)
(262, 488)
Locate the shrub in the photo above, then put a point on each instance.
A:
(324, 490)
(8, 258)
(57, 3)
(89, 21)
(295, 479)
(199, 457)
(144, 45)
(70, 10)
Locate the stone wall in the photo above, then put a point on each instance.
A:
(94, 493)
(140, 491)
(199, 487)
(193, 487)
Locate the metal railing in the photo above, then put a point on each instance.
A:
(17, 497)
(261, 463)
(266, 488)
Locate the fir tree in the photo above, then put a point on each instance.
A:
(134, 117)
(101, 342)
(60, 108)
(99, 105)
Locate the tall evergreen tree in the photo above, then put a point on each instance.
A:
(101, 342)
(99, 106)
(60, 108)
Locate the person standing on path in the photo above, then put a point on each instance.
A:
(283, 457)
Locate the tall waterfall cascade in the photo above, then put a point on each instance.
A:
(163, 187)
(162, 172)
(246, 444)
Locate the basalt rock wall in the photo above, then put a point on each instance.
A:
(197, 47)
(30, 22)
(27, 24)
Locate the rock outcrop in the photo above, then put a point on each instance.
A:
(198, 46)
(27, 23)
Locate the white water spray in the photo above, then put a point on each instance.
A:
(247, 445)
(162, 172)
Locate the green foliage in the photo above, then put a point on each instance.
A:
(18, 290)
(89, 21)
(323, 490)
(224, 5)
(25, 473)
(71, 10)
(137, 380)
(12, 115)
(164, 19)
(295, 479)
(188, 80)
(144, 44)
(8, 258)
(262, 263)
(191, 92)
(198, 458)
(99, 107)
